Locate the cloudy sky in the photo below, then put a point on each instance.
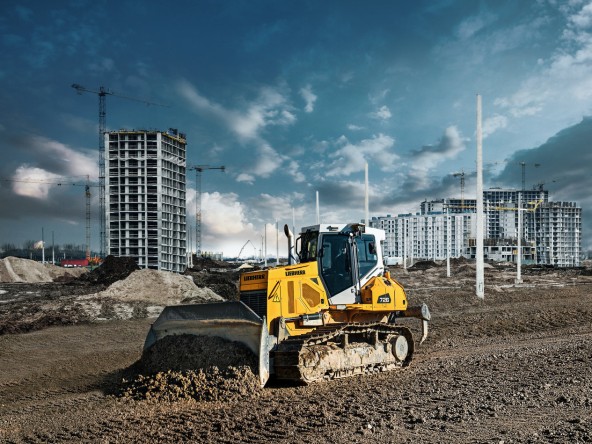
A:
(294, 97)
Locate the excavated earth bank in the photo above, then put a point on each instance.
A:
(513, 368)
(193, 367)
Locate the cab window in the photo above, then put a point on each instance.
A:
(308, 246)
(367, 254)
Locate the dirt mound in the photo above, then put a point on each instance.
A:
(158, 287)
(205, 263)
(61, 274)
(455, 261)
(224, 283)
(188, 367)
(15, 269)
(191, 352)
(423, 265)
(112, 269)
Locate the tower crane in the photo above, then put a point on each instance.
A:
(462, 175)
(462, 186)
(87, 185)
(199, 169)
(523, 165)
(102, 93)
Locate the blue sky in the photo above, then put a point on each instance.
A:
(294, 97)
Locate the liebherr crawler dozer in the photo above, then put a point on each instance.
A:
(330, 313)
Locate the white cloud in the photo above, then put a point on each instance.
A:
(429, 157)
(293, 170)
(70, 161)
(222, 214)
(228, 223)
(527, 101)
(583, 18)
(54, 159)
(28, 181)
(309, 97)
(269, 108)
(378, 96)
(494, 123)
(472, 25)
(383, 113)
(201, 103)
(350, 158)
(563, 84)
(266, 206)
(268, 161)
(247, 178)
(280, 207)
(343, 200)
(224, 224)
(353, 127)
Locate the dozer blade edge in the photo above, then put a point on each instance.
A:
(233, 321)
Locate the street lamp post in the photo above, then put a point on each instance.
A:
(447, 241)
(519, 256)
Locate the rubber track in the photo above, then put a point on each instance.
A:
(286, 356)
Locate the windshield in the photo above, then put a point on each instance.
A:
(367, 256)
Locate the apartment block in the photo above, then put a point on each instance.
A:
(550, 235)
(424, 236)
(145, 197)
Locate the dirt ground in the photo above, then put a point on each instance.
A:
(514, 368)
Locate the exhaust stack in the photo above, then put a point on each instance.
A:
(290, 236)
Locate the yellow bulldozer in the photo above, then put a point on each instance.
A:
(330, 313)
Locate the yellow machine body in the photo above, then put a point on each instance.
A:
(296, 299)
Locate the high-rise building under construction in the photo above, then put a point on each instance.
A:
(145, 197)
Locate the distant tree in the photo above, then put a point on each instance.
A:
(7, 248)
(73, 251)
(29, 245)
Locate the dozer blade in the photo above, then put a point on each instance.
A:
(233, 321)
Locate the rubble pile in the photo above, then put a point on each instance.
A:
(112, 269)
(189, 367)
(223, 283)
(423, 265)
(219, 276)
(205, 263)
(16, 269)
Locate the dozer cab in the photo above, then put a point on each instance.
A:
(330, 313)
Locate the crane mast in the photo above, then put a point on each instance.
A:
(462, 187)
(199, 169)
